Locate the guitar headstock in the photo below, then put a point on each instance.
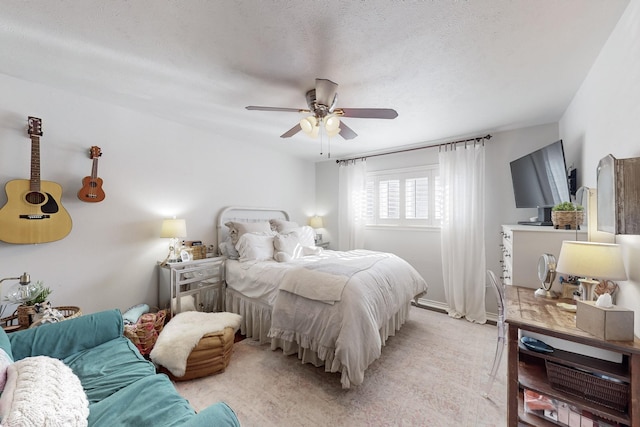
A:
(94, 152)
(35, 126)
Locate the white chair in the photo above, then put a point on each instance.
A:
(498, 287)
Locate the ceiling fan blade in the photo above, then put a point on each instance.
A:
(368, 113)
(326, 92)
(346, 132)
(291, 132)
(292, 110)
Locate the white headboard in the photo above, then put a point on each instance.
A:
(245, 214)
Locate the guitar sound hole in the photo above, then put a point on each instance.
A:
(35, 198)
(93, 184)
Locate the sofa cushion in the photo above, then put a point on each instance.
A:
(70, 336)
(43, 391)
(140, 405)
(109, 367)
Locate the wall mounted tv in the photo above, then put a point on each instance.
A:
(540, 181)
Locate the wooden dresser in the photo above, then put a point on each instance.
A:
(526, 368)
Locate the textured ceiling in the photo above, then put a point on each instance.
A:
(450, 68)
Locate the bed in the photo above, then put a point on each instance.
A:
(332, 308)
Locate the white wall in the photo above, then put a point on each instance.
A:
(603, 119)
(152, 169)
(421, 248)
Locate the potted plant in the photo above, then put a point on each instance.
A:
(567, 216)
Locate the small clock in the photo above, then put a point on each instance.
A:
(546, 274)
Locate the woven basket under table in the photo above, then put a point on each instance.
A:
(614, 395)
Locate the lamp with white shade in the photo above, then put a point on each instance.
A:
(316, 222)
(174, 229)
(590, 261)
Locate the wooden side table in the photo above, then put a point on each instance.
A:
(526, 369)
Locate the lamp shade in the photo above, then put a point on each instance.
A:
(591, 260)
(308, 124)
(316, 222)
(332, 125)
(173, 228)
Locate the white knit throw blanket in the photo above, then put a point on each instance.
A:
(42, 391)
(183, 333)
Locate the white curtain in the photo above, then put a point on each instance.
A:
(463, 249)
(352, 204)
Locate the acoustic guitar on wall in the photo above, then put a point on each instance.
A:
(33, 212)
(91, 190)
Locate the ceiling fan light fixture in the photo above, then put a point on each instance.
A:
(315, 132)
(322, 101)
(332, 124)
(308, 124)
(333, 132)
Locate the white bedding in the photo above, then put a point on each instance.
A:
(367, 291)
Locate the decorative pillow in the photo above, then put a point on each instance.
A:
(282, 226)
(237, 229)
(42, 391)
(282, 257)
(5, 361)
(255, 246)
(132, 315)
(187, 303)
(289, 244)
(228, 250)
(311, 250)
(306, 235)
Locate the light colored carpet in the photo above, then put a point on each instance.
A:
(431, 373)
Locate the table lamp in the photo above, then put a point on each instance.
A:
(174, 229)
(24, 290)
(591, 260)
(316, 222)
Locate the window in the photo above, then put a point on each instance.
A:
(404, 197)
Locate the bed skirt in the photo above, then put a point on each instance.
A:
(256, 323)
(256, 315)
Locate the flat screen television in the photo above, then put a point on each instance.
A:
(540, 181)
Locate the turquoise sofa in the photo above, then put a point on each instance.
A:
(123, 389)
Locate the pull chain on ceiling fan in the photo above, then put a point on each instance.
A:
(322, 109)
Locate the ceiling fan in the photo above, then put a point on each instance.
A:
(322, 106)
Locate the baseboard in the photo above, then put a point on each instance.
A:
(441, 307)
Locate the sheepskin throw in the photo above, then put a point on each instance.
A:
(183, 333)
(42, 391)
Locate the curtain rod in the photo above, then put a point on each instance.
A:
(440, 144)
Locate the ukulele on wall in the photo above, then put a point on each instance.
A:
(33, 212)
(91, 190)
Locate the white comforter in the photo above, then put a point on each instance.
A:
(345, 330)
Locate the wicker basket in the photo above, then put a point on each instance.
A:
(210, 356)
(25, 314)
(607, 393)
(198, 252)
(144, 333)
(567, 220)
